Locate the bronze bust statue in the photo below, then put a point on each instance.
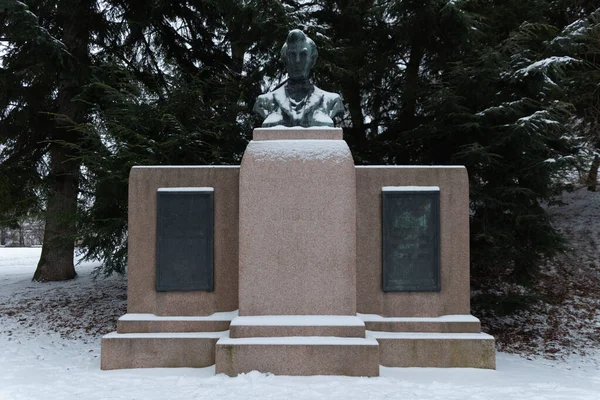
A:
(298, 102)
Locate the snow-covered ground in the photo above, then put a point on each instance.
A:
(50, 349)
(566, 318)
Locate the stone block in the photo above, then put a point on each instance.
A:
(438, 350)
(443, 324)
(454, 296)
(159, 350)
(149, 323)
(298, 356)
(142, 296)
(297, 325)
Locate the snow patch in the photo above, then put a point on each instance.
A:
(545, 63)
(37, 363)
(300, 340)
(428, 335)
(298, 320)
(295, 128)
(443, 318)
(305, 150)
(538, 116)
(168, 335)
(218, 316)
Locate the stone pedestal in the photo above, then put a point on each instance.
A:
(297, 251)
(297, 234)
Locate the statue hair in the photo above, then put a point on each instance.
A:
(297, 35)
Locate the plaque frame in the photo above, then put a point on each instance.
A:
(389, 194)
(165, 250)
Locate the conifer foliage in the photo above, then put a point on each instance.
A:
(508, 88)
(46, 61)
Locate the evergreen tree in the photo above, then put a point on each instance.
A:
(580, 39)
(460, 82)
(171, 97)
(494, 104)
(91, 89)
(46, 62)
(107, 86)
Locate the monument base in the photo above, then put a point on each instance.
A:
(297, 345)
(307, 355)
(310, 257)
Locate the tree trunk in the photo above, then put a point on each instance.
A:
(351, 91)
(21, 237)
(238, 50)
(56, 261)
(411, 85)
(2, 237)
(592, 179)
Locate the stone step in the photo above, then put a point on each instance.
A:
(306, 355)
(159, 350)
(443, 324)
(297, 325)
(150, 323)
(440, 350)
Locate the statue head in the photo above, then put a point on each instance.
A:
(300, 54)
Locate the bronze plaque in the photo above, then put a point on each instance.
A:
(184, 239)
(411, 239)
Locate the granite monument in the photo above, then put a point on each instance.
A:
(298, 262)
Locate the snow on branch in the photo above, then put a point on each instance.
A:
(550, 63)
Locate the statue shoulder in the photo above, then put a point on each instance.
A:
(332, 102)
(265, 104)
(272, 96)
(327, 96)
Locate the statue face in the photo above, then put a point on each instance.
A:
(298, 60)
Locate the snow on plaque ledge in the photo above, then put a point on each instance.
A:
(410, 189)
(186, 189)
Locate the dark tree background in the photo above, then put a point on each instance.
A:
(508, 88)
